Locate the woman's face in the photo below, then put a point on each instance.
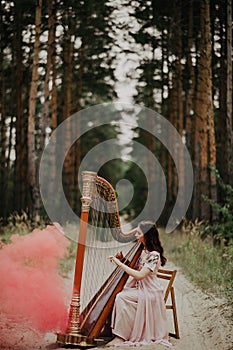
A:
(139, 235)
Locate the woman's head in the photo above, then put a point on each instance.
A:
(148, 234)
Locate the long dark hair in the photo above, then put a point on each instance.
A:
(151, 237)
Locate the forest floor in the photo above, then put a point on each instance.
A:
(205, 322)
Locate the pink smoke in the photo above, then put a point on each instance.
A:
(32, 293)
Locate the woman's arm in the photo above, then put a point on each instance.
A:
(138, 275)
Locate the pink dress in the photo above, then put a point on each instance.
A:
(139, 312)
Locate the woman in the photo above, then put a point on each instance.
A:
(139, 312)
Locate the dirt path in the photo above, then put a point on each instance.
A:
(204, 321)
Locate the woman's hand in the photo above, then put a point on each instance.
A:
(114, 259)
(138, 275)
(119, 255)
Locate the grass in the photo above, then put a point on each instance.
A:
(207, 264)
(67, 263)
(17, 224)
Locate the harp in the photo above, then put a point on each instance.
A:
(87, 324)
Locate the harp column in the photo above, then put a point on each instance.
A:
(73, 335)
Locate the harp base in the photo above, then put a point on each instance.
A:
(78, 340)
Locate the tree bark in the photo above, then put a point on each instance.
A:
(52, 184)
(67, 79)
(20, 198)
(35, 203)
(176, 175)
(204, 137)
(3, 169)
(224, 119)
(178, 99)
(77, 146)
(191, 80)
(50, 49)
(229, 93)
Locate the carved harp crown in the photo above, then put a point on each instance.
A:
(99, 213)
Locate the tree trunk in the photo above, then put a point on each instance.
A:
(204, 138)
(32, 154)
(20, 197)
(3, 169)
(224, 120)
(77, 146)
(164, 91)
(191, 80)
(176, 108)
(171, 169)
(170, 165)
(50, 48)
(68, 52)
(178, 103)
(229, 94)
(52, 184)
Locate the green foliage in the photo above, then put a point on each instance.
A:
(208, 265)
(223, 227)
(67, 263)
(19, 224)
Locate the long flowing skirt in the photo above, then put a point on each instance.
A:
(139, 314)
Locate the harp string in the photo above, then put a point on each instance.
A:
(99, 245)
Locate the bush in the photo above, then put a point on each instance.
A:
(207, 264)
(223, 226)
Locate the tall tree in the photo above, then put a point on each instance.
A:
(224, 117)
(176, 116)
(67, 100)
(44, 120)
(3, 163)
(53, 124)
(17, 95)
(204, 136)
(189, 53)
(31, 142)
